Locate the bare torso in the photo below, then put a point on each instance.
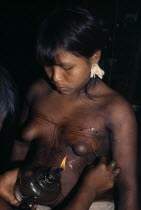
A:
(74, 127)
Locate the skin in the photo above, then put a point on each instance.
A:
(96, 181)
(4, 205)
(86, 128)
(7, 181)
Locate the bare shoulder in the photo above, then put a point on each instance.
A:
(37, 89)
(116, 107)
(120, 106)
(120, 110)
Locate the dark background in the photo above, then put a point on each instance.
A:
(121, 18)
(122, 62)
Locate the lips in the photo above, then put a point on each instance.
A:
(59, 88)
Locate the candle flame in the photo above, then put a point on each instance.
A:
(63, 164)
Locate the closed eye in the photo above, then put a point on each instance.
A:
(69, 68)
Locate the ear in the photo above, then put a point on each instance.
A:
(96, 57)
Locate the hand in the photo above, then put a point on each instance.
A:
(7, 182)
(35, 207)
(101, 178)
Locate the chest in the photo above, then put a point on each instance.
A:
(61, 124)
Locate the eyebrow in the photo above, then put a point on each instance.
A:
(63, 64)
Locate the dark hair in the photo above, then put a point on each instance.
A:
(72, 29)
(7, 95)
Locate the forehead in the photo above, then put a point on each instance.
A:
(66, 57)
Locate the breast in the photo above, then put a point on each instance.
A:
(84, 141)
(52, 139)
(81, 142)
(40, 128)
(83, 148)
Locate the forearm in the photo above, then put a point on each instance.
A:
(83, 198)
(97, 180)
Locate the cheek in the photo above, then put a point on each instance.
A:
(79, 80)
(82, 75)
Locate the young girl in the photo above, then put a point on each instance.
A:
(72, 112)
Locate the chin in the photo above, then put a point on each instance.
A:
(66, 92)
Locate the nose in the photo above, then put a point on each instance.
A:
(57, 74)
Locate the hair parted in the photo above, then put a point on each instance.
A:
(71, 29)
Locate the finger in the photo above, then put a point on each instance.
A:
(15, 203)
(103, 160)
(34, 208)
(112, 165)
(116, 171)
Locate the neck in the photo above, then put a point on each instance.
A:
(82, 93)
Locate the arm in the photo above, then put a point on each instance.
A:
(7, 182)
(20, 148)
(124, 148)
(97, 180)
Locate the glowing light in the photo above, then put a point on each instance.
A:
(63, 164)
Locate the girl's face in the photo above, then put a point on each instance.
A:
(70, 73)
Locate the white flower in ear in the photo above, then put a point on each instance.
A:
(96, 70)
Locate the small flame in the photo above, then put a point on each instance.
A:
(63, 164)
